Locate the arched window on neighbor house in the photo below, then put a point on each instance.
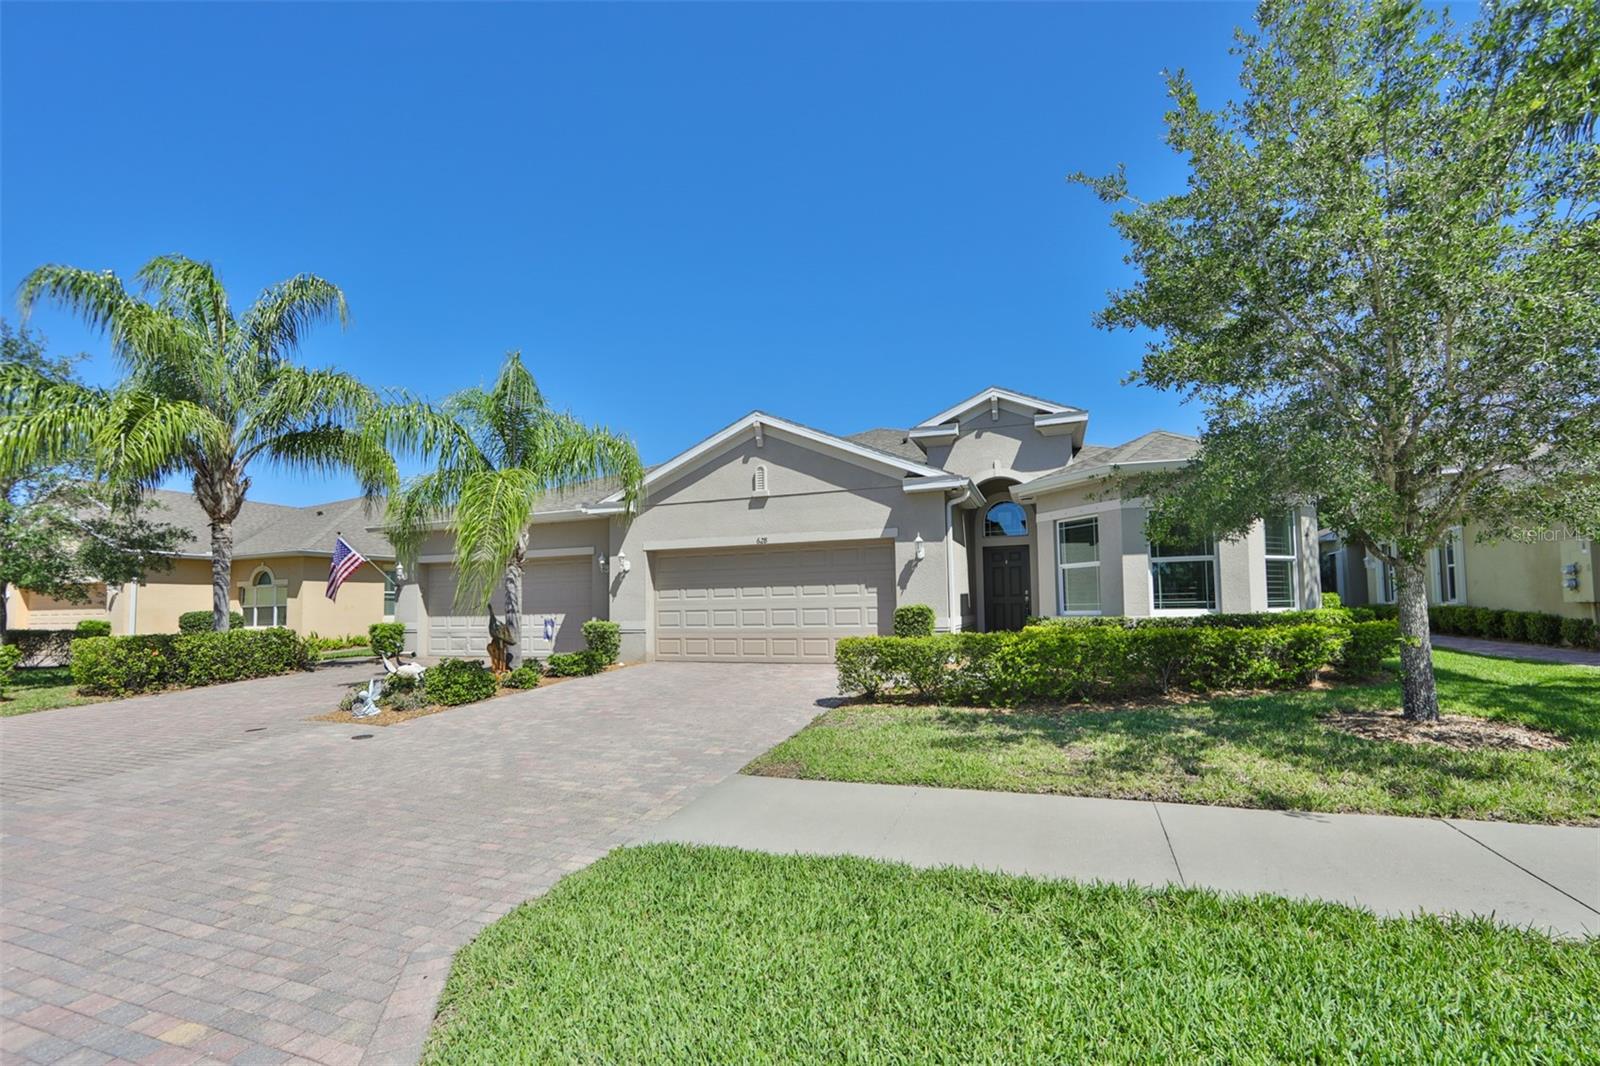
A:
(265, 600)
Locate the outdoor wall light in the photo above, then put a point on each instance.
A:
(621, 559)
(921, 550)
(600, 560)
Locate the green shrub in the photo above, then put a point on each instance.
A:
(400, 683)
(913, 620)
(603, 639)
(200, 621)
(1580, 632)
(1332, 599)
(1513, 625)
(10, 656)
(1485, 622)
(93, 627)
(42, 647)
(1332, 616)
(1059, 663)
(1385, 612)
(1542, 628)
(574, 664)
(452, 682)
(525, 676)
(318, 643)
(1369, 645)
(387, 639)
(118, 666)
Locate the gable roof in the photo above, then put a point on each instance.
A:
(995, 392)
(1151, 451)
(268, 529)
(893, 441)
(847, 449)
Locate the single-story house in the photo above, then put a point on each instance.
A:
(281, 556)
(1550, 571)
(770, 540)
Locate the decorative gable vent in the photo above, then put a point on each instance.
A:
(759, 482)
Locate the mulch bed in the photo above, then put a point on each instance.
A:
(1462, 732)
(386, 716)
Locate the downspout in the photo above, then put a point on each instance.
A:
(133, 609)
(954, 601)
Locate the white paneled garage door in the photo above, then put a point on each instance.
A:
(780, 604)
(557, 591)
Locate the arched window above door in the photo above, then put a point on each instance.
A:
(1006, 519)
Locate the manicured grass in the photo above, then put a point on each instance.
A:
(1263, 751)
(692, 955)
(40, 688)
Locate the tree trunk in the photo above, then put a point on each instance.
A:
(513, 583)
(221, 573)
(1419, 697)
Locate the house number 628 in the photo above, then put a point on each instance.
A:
(761, 540)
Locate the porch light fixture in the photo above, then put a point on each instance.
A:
(600, 561)
(621, 559)
(921, 550)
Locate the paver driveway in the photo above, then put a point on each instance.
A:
(206, 876)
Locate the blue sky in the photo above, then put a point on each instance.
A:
(852, 216)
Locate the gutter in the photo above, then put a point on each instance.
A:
(953, 602)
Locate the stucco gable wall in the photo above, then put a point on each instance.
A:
(1008, 444)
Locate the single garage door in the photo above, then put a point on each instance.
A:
(788, 604)
(557, 598)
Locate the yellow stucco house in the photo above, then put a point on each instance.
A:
(280, 574)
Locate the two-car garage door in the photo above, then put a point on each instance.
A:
(777, 604)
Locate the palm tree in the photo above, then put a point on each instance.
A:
(498, 451)
(205, 392)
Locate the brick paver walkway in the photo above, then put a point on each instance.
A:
(205, 876)
(1511, 649)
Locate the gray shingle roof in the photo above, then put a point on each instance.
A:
(893, 441)
(277, 529)
(1158, 445)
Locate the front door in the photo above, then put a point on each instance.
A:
(1007, 598)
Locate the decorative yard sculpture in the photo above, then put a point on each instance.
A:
(365, 704)
(501, 641)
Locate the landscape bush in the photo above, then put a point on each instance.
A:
(10, 656)
(1331, 616)
(452, 682)
(525, 676)
(318, 643)
(1369, 644)
(603, 639)
(1580, 632)
(1060, 663)
(1332, 599)
(92, 627)
(200, 621)
(574, 664)
(119, 666)
(1535, 627)
(913, 620)
(388, 639)
(42, 647)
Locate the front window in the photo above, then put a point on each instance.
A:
(1385, 582)
(1280, 562)
(1183, 575)
(1006, 519)
(265, 601)
(391, 591)
(1078, 558)
(1447, 566)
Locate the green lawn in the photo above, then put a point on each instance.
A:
(39, 689)
(1261, 751)
(692, 955)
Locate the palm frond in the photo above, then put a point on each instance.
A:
(189, 289)
(143, 437)
(491, 516)
(421, 502)
(96, 296)
(44, 420)
(294, 397)
(566, 452)
(329, 449)
(278, 320)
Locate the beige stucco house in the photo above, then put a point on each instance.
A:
(1550, 571)
(770, 540)
(280, 572)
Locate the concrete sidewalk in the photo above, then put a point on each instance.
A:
(1510, 649)
(1546, 877)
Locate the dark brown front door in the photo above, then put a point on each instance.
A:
(1006, 595)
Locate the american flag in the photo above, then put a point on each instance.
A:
(345, 562)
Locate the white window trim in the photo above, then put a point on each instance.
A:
(390, 578)
(280, 585)
(1453, 541)
(1293, 559)
(1183, 612)
(1062, 568)
(1385, 580)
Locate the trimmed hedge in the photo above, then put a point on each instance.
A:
(452, 682)
(388, 639)
(1329, 616)
(1059, 663)
(574, 664)
(10, 656)
(200, 621)
(1534, 627)
(525, 676)
(118, 666)
(913, 620)
(92, 627)
(604, 639)
(42, 647)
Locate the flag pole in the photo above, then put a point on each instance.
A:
(364, 559)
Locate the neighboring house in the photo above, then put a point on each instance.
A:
(281, 556)
(26, 609)
(770, 540)
(1550, 571)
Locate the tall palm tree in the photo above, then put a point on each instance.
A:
(497, 452)
(205, 392)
